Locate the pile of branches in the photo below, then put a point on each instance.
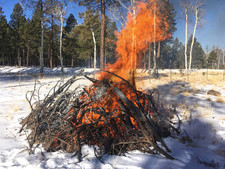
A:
(113, 116)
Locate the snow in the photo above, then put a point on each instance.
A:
(202, 116)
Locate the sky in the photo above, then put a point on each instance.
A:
(210, 33)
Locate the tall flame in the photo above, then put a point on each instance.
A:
(145, 24)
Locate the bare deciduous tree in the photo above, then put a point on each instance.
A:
(186, 5)
(43, 4)
(198, 12)
(61, 11)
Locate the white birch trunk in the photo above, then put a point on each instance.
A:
(154, 44)
(149, 59)
(193, 37)
(42, 40)
(60, 45)
(93, 36)
(185, 50)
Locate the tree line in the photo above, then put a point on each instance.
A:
(20, 38)
(48, 39)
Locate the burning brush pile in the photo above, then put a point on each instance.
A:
(110, 114)
(114, 116)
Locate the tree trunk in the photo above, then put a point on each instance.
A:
(193, 37)
(52, 41)
(3, 57)
(149, 60)
(72, 61)
(185, 46)
(28, 52)
(23, 57)
(154, 43)
(60, 47)
(158, 52)
(18, 57)
(42, 39)
(145, 60)
(102, 48)
(93, 35)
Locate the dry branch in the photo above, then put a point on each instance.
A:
(114, 116)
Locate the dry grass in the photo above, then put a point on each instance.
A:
(186, 93)
(176, 91)
(200, 77)
(16, 108)
(220, 100)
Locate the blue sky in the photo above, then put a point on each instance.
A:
(212, 32)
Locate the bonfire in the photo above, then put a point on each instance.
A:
(111, 113)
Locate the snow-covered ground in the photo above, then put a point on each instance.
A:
(203, 120)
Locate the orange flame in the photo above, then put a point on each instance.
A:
(134, 38)
(144, 25)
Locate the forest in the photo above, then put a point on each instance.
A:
(52, 37)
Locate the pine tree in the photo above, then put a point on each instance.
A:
(102, 6)
(40, 7)
(83, 35)
(27, 40)
(71, 22)
(17, 23)
(177, 55)
(69, 42)
(212, 60)
(111, 39)
(35, 38)
(5, 40)
(51, 31)
(168, 14)
(198, 60)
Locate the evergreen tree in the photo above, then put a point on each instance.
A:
(83, 35)
(26, 39)
(51, 31)
(40, 7)
(71, 22)
(17, 23)
(101, 6)
(84, 44)
(212, 59)
(164, 52)
(69, 42)
(166, 58)
(110, 45)
(198, 60)
(177, 55)
(5, 40)
(36, 38)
